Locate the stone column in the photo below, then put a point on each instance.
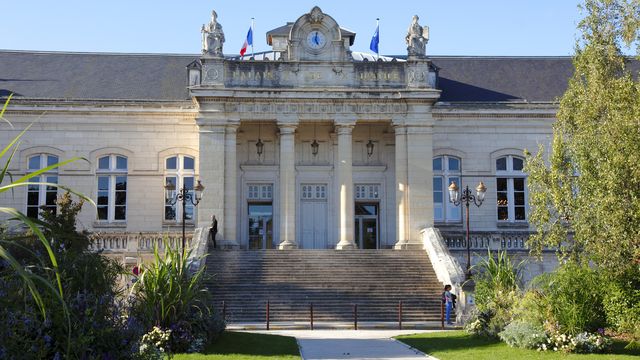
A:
(230, 186)
(211, 167)
(401, 167)
(420, 181)
(287, 186)
(344, 171)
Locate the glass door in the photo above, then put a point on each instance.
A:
(260, 226)
(366, 225)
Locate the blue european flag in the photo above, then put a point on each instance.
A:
(375, 40)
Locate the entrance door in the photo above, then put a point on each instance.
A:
(260, 226)
(314, 224)
(366, 225)
(313, 216)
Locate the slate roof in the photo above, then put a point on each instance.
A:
(63, 75)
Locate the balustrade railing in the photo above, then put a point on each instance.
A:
(136, 242)
(482, 240)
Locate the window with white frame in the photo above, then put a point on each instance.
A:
(179, 171)
(367, 191)
(511, 189)
(262, 192)
(112, 188)
(314, 192)
(446, 169)
(42, 196)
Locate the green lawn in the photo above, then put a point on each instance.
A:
(247, 346)
(458, 345)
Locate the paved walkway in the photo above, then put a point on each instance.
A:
(352, 344)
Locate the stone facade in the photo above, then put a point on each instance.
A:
(378, 125)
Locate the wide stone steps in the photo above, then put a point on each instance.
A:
(375, 280)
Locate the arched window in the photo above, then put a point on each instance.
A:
(42, 196)
(112, 188)
(445, 170)
(511, 189)
(179, 171)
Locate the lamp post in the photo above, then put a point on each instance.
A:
(467, 198)
(183, 195)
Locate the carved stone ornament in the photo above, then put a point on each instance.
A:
(417, 38)
(212, 37)
(316, 15)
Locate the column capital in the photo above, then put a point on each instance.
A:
(400, 129)
(232, 128)
(345, 120)
(344, 129)
(287, 128)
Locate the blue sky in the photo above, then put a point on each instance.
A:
(464, 27)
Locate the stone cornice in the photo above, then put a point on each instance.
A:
(182, 109)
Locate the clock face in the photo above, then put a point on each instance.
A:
(316, 39)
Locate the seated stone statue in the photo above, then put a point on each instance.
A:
(417, 38)
(212, 37)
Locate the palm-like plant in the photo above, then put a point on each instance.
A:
(167, 291)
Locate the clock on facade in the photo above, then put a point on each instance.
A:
(316, 39)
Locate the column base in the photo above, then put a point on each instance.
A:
(287, 246)
(346, 246)
(408, 246)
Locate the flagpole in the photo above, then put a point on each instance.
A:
(378, 29)
(252, 37)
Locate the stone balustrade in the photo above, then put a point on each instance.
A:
(483, 240)
(134, 242)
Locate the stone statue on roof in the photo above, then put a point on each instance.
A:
(212, 37)
(417, 38)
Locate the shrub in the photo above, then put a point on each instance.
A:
(622, 303)
(572, 298)
(523, 335)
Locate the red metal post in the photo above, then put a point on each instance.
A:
(355, 316)
(311, 314)
(400, 315)
(442, 314)
(267, 314)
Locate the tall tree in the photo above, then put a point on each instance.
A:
(585, 199)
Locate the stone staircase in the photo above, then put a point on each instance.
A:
(333, 280)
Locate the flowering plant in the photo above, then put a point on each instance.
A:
(584, 342)
(155, 344)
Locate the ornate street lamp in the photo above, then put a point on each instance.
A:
(466, 198)
(183, 195)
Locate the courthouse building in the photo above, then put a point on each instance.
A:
(308, 146)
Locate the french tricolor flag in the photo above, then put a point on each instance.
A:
(248, 41)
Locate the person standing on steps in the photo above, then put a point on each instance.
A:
(213, 231)
(447, 300)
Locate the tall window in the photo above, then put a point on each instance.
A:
(445, 170)
(42, 196)
(179, 171)
(511, 189)
(112, 188)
